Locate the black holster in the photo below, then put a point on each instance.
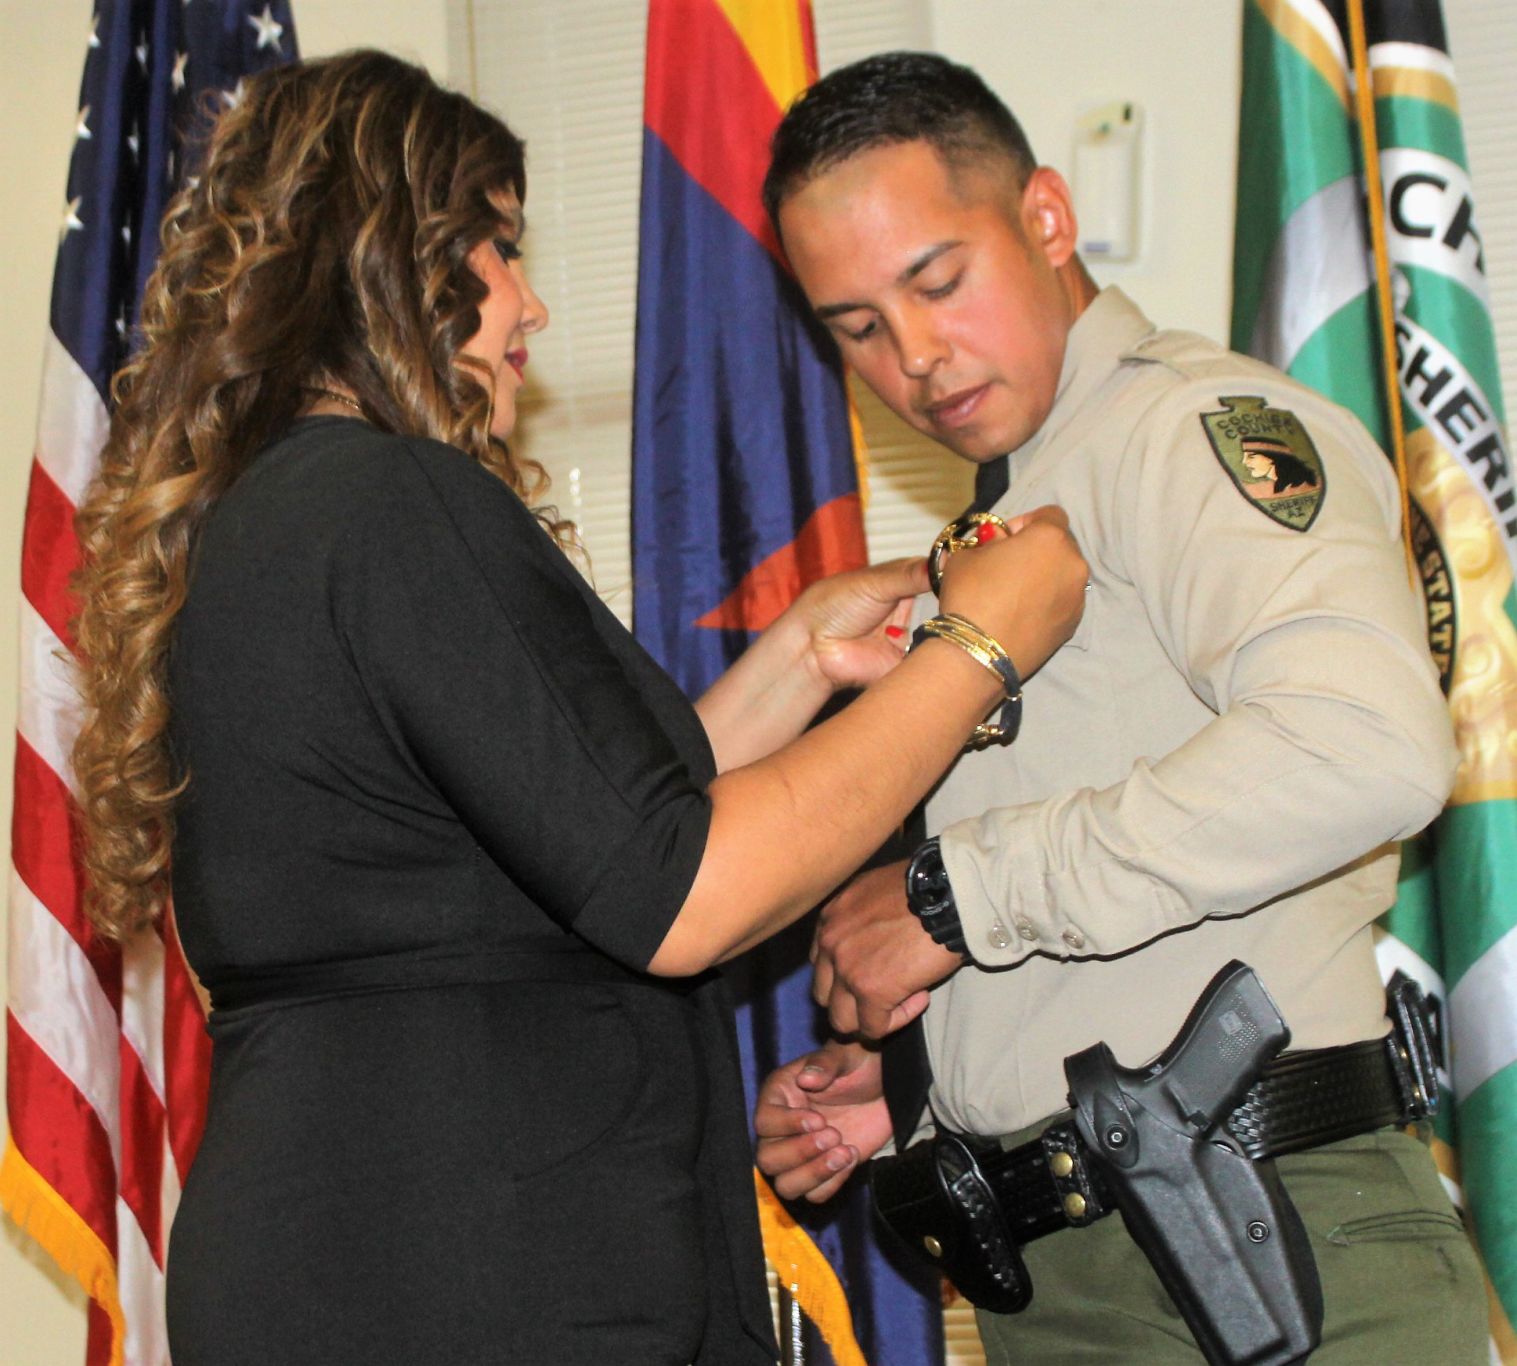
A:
(1218, 1227)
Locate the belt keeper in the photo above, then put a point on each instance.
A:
(1078, 1198)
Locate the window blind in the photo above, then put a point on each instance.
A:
(567, 75)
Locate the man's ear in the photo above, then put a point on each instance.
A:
(1048, 216)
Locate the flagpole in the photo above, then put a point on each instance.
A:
(1369, 141)
(792, 1329)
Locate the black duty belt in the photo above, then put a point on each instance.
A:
(1183, 1147)
(1303, 1100)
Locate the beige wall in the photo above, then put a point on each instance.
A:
(41, 1316)
(1186, 84)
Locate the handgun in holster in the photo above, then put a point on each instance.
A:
(1217, 1226)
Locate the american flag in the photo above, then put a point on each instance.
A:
(107, 1057)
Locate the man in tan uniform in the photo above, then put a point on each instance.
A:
(1216, 766)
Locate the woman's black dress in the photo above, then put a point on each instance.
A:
(441, 810)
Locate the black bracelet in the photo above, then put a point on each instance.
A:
(929, 897)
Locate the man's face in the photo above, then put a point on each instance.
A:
(941, 287)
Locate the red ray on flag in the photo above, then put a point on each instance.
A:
(832, 539)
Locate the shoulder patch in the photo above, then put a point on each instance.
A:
(1269, 456)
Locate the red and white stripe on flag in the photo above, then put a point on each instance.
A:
(107, 1051)
(107, 1054)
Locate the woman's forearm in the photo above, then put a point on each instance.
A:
(766, 699)
(787, 829)
(836, 634)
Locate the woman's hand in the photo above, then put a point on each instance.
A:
(856, 621)
(842, 632)
(1026, 589)
(789, 823)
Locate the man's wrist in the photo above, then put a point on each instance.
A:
(929, 897)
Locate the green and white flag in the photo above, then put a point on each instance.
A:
(1305, 299)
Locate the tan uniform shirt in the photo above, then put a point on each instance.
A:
(1215, 766)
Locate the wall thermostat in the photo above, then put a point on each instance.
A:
(1106, 181)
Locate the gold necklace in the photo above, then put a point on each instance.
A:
(332, 394)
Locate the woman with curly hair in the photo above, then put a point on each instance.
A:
(452, 856)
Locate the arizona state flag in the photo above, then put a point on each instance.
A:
(1306, 298)
(745, 490)
(744, 484)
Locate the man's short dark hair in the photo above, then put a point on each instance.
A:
(889, 98)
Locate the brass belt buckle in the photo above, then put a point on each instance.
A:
(958, 535)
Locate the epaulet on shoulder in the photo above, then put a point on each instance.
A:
(1187, 354)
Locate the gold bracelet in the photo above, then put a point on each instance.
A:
(985, 650)
(976, 644)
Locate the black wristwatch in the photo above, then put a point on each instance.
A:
(929, 897)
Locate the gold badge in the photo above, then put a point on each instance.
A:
(1270, 457)
(969, 530)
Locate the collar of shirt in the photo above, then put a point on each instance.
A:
(1108, 328)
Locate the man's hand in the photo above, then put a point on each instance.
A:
(873, 960)
(818, 1117)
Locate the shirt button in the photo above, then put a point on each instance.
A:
(1074, 939)
(998, 937)
(1025, 929)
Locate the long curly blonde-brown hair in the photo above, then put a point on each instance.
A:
(324, 242)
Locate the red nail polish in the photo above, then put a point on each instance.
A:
(895, 632)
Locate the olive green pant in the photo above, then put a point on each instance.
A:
(1399, 1278)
